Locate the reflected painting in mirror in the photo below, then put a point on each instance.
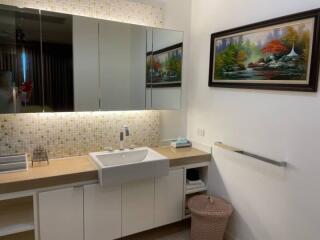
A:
(165, 67)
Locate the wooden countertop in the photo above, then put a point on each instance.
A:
(59, 171)
(81, 168)
(183, 156)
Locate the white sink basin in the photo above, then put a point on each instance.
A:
(128, 165)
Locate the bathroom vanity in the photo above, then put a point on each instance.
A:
(64, 200)
(54, 62)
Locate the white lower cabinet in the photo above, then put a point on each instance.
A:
(102, 212)
(169, 198)
(137, 206)
(92, 212)
(61, 214)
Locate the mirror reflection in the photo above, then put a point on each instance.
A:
(122, 49)
(86, 63)
(57, 62)
(20, 61)
(164, 69)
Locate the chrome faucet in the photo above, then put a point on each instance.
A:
(123, 134)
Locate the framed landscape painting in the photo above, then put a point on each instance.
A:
(164, 67)
(278, 54)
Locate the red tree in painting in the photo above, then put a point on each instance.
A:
(275, 47)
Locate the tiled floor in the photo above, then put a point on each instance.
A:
(177, 231)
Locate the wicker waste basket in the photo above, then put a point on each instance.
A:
(210, 217)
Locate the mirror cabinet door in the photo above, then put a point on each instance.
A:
(149, 69)
(57, 62)
(20, 61)
(86, 64)
(122, 51)
(8, 61)
(165, 80)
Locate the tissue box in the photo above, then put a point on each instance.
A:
(13, 163)
(177, 144)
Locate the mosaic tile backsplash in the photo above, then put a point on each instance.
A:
(116, 10)
(72, 134)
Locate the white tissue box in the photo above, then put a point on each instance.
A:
(176, 144)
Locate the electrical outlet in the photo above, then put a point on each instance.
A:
(201, 132)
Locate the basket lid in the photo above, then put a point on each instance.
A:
(209, 206)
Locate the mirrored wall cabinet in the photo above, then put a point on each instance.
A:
(52, 62)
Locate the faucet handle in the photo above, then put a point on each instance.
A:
(132, 146)
(109, 149)
(126, 131)
(121, 136)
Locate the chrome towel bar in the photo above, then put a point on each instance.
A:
(263, 159)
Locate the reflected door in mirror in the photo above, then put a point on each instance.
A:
(20, 61)
(57, 62)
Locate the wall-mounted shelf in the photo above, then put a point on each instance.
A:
(196, 190)
(29, 235)
(10, 227)
(187, 216)
(16, 216)
(202, 169)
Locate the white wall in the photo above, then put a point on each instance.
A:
(270, 203)
(176, 15)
